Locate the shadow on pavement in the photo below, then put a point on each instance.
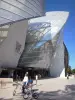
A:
(67, 94)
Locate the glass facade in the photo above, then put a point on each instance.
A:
(39, 47)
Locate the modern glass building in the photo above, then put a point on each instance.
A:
(44, 48)
(35, 45)
(14, 16)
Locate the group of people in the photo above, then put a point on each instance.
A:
(27, 79)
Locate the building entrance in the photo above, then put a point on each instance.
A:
(32, 72)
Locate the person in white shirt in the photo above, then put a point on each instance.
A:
(36, 78)
(25, 81)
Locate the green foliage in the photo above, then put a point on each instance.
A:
(69, 70)
(73, 71)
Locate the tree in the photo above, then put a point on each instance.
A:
(68, 70)
(73, 71)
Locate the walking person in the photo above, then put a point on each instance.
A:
(36, 79)
(25, 81)
(67, 76)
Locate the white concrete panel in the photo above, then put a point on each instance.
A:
(13, 45)
(57, 68)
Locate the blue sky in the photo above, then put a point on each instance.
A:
(69, 29)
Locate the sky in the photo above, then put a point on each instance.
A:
(69, 28)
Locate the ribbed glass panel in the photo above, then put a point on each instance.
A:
(20, 6)
(9, 15)
(2, 20)
(14, 10)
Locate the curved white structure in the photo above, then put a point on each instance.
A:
(16, 10)
(13, 35)
(44, 43)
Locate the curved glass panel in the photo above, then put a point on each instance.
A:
(36, 43)
(39, 46)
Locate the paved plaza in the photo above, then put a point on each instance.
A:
(6, 88)
(53, 89)
(50, 89)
